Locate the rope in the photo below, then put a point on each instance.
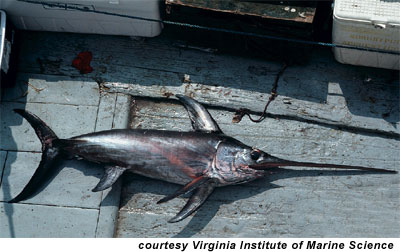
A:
(251, 34)
(243, 111)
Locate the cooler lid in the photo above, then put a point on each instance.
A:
(372, 11)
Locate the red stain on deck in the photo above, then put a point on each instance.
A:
(82, 62)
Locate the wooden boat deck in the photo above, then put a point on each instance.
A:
(325, 112)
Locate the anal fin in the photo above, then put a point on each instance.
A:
(111, 174)
(198, 197)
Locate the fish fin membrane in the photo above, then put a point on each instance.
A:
(199, 115)
(198, 197)
(50, 156)
(186, 189)
(111, 174)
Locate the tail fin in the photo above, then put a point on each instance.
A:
(50, 156)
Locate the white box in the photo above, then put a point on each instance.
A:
(42, 17)
(2, 40)
(367, 24)
(8, 53)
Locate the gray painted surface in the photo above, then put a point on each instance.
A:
(65, 120)
(26, 220)
(66, 207)
(71, 187)
(106, 110)
(3, 155)
(38, 88)
(108, 212)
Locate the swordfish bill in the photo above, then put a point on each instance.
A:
(200, 160)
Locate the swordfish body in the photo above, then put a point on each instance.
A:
(200, 160)
(176, 157)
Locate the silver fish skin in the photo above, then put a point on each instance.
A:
(176, 157)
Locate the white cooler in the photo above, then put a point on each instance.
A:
(3, 54)
(2, 40)
(368, 24)
(8, 53)
(42, 17)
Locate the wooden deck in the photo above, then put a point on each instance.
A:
(324, 112)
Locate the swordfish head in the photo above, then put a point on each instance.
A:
(234, 160)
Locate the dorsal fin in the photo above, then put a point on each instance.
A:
(198, 114)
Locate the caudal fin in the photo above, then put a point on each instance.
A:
(50, 154)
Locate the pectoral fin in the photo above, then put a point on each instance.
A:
(111, 174)
(200, 195)
(187, 188)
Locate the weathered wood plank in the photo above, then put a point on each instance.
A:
(335, 113)
(321, 90)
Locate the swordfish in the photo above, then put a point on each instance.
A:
(200, 160)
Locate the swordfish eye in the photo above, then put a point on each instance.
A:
(255, 154)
